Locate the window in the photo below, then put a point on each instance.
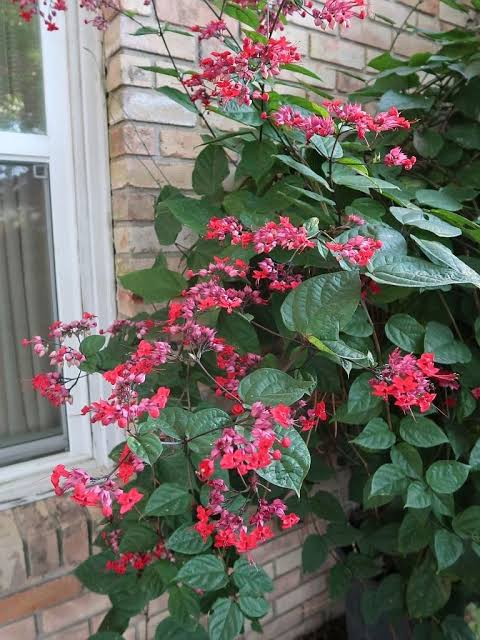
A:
(55, 244)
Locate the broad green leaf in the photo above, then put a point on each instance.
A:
(359, 326)
(314, 552)
(407, 458)
(297, 68)
(204, 427)
(252, 576)
(426, 221)
(467, 523)
(206, 572)
(441, 255)
(154, 285)
(427, 592)
(376, 435)
(474, 460)
(172, 421)
(166, 71)
(180, 97)
(405, 332)
(148, 447)
(290, 471)
(456, 628)
(428, 142)
(184, 607)
(304, 170)
(225, 621)
(138, 537)
(410, 272)
(404, 102)
(448, 548)
(187, 541)
(342, 534)
(413, 534)
(362, 405)
(242, 113)
(447, 476)
(326, 506)
(93, 575)
(244, 15)
(272, 387)
(439, 340)
(421, 432)
(323, 304)
(238, 331)
(253, 606)
(466, 135)
(167, 227)
(437, 200)
(91, 345)
(211, 169)
(257, 159)
(388, 597)
(339, 581)
(418, 496)
(190, 212)
(168, 500)
(168, 629)
(387, 480)
(329, 147)
(157, 577)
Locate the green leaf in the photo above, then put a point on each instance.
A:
(339, 581)
(362, 405)
(211, 169)
(157, 577)
(148, 447)
(304, 170)
(426, 221)
(91, 345)
(314, 552)
(323, 304)
(203, 428)
(428, 142)
(257, 159)
(272, 387)
(407, 271)
(172, 421)
(168, 500)
(168, 629)
(448, 548)
(405, 332)
(206, 572)
(297, 68)
(180, 97)
(421, 432)
(388, 480)
(253, 606)
(418, 496)
(184, 607)
(226, 620)
(138, 537)
(439, 340)
(342, 534)
(290, 471)
(326, 506)
(413, 534)
(407, 458)
(166, 71)
(238, 331)
(437, 200)
(466, 135)
(154, 285)
(106, 635)
(251, 576)
(467, 523)
(387, 598)
(427, 592)
(441, 255)
(192, 213)
(376, 435)
(187, 541)
(447, 476)
(404, 102)
(242, 113)
(93, 575)
(242, 14)
(329, 147)
(455, 628)
(474, 460)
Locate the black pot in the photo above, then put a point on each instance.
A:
(382, 630)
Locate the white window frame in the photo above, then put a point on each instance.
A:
(76, 149)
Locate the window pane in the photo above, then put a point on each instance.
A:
(22, 104)
(27, 304)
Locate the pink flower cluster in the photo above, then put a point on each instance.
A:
(228, 76)
(339, 12)
(357, 250)
(138, 560)
(51, 386)
(410, 381)
(92, 493)
(272, 234)
(214, 29)
(311, 126)
(276, 275)
(396, 158)
(29, 8)
(235, 366)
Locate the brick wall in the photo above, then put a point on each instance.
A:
(153, 142)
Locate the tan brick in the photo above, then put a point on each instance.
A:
(154, 621)
(158, 605)
(140, 172)
(180, 144)
(347, 84)
(129, 305)
(278, 547)
(179, 174)
(288, 561)
(300, 594)
(137, 6)
(78, 632)
(298, 36)
(135, 239)
(367, 31)
(120, 34)
(316, 604)
(393, 10)
(125, 69)
(424, 21)
(428, 6)
(292, 619)
(125, 263)
(338, 51)
(85, 606)
(75, 547)
(408, 44)
(132, 204)
(448, 14)
(285, 583)
(26, 602)
(187, 12)
(23, 630)
(13, 572)
(131, 138)
(142, 105)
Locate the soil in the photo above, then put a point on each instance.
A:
(332, 630)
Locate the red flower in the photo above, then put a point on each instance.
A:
(282, 414)
(205, 469)
(128, 500)
(290, 520)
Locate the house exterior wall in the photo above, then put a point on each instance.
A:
(152, 143)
